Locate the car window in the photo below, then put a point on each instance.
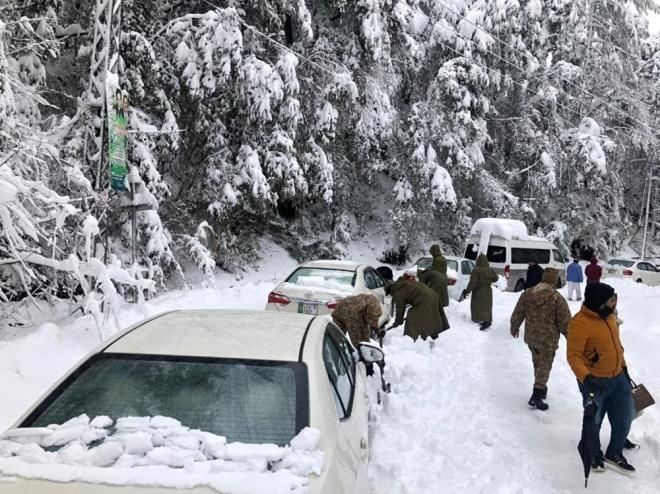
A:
(621, 262)
(371, 279)
(451, 264)
(340, 374)
(558, 257)
(424, 262)
(336, 279)
(466, 267)
(244, 400)
(651, 267)
(525, 256)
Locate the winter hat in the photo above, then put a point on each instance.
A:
(435, 250)
(596, 294)
(594, 260)
(550, 276)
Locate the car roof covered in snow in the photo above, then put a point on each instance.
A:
(332, 264)
(257, 335)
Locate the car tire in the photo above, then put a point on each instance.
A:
(520, 286)
(639, 280)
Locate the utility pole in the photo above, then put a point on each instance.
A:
(648, 207)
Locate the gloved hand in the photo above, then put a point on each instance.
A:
(396, 324)
(515, 332)
(594, 384)
(463, 296)
(380, 333)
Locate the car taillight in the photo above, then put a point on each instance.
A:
(627, 272)
(408, 276)
(278, 298)
(332, 305)
(507, 271)
(452, 281)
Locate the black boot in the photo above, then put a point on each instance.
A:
(544, 393)
(536, 401)
(485, 325)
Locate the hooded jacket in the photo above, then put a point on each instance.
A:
(481, 279)
(594, 346)
(593, 271)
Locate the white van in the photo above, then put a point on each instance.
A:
(510, 249)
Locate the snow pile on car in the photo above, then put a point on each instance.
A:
(157, 451)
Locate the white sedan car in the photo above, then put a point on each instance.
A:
(234, 379)
(640, 271)
(458, 272)
(316, 287)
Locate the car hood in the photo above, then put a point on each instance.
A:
(13, 485)
(24, 486)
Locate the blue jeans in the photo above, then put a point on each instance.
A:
(617, 401)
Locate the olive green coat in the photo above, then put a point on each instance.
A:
(479, 285)
(436, 279)
(423, 319)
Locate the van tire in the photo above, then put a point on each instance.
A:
(520, 286)
(559, 283)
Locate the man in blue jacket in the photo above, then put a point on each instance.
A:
(574, 278)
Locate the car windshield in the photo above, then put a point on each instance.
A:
(335, 279)
(451, 264)
(244, 400)
(621, 262)
(424, 262)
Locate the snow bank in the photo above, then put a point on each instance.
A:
(157, 451)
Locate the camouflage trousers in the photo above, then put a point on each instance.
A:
(542, 358)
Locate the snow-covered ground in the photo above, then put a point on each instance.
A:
(457, 418)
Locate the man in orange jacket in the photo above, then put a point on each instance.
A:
(595, 354)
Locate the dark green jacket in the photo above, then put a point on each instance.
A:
(479, 285)
(423, 319)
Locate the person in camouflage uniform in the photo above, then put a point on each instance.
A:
(436, 279)
(358, 316)
(546, 315)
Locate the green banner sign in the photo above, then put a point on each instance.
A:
(117, 105)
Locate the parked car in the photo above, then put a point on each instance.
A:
(316, 287)
(510, 250)
(640, 271)
(458, 272)
(252, 376)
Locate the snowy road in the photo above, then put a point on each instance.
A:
(457, 419)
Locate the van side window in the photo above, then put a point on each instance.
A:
(470, 252)
(525, 256)
(496, 253)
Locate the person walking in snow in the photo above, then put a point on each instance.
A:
(596, 356)
(574, 279)
(593, 271)
(358, 316)
(546, 316)
(534, 274)
(423, 319)
(481, 305)
(436, 279)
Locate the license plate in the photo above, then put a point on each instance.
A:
(311, 309)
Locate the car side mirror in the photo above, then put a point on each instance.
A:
(370, 353)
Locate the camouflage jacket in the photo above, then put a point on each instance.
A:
(358, 315)
(546, 315)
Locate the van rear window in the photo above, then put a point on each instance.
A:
(525, 256)
(495, 253)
